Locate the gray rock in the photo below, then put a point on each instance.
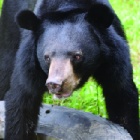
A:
(61, 123)
(70, 124)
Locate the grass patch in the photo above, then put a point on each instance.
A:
(1, 1)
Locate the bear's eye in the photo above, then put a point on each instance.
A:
(77, 57)
(47, 58)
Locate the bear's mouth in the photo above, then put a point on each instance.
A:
(61, 95)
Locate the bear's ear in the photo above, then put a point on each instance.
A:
(28, 20)
(100, 15)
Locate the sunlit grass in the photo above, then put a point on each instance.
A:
(1, 1)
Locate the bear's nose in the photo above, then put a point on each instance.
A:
(53, 87)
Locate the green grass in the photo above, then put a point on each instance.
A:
(1, 1)
(90, 98)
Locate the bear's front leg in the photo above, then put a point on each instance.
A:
(122, 106)
(22, 109)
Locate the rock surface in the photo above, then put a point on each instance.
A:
(61, 123)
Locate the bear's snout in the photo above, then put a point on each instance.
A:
(61, 79)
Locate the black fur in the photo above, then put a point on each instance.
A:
(9, 39)
(91, 26)
(28, 20)
(100, 15)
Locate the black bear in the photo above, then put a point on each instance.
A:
(63, 44)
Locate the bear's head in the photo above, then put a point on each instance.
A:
(68, 43)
